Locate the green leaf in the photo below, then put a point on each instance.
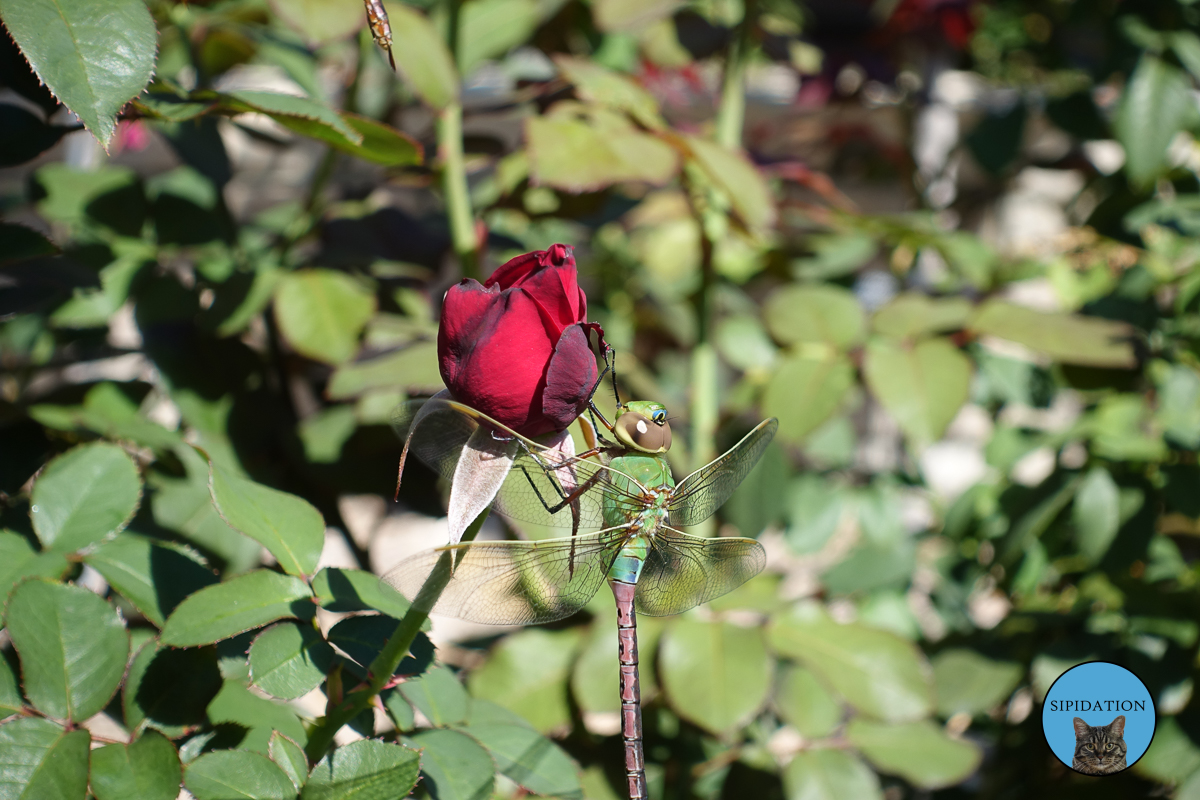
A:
(968, 682)
(835, 255)
(716, 674)
(528, 758)
(804, 391)
(828, 774)
(877, 672)
(184, 505)
(363, 637)
(321, 21)
(290, 758)
(154, 576)
(490, 28)
(381, 143)
(288, 526)
(804, 702)
(237, 605)
(815, 509)
(920, 752)
(398, 709)
(147, 769)
(236, 703)
(422, 57)
(170, 689)
(738, 178)
(300, 114)
(438, 695)
(94, 55)
(85, 495)
(364, 770)
(913, 314)
(42, 761)
(237, 775)
(454, 765)
(1156, 105)
(578, 155)
(597, 84)
(18, 560)
(923, 386)
(72, 644)
(821, 314)
(10, 695)
(70, 191)
(288, 660)
(1179, 404)
(1071, 339)
(631, 16)
(321, 313)
(527, 674)
(340, 589)
(1096, 514)
(415, 366)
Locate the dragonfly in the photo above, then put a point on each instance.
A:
(624, 511)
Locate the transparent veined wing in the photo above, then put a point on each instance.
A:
(698, 495)
(544, 486)
(683, 571)
(512, 583)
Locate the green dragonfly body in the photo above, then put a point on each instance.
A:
(631, 497)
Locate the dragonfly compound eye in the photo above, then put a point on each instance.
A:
(640, 433)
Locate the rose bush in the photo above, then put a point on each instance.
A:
(519, 347)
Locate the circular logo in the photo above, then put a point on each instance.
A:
(1098, 718)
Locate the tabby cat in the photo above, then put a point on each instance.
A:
(1099, 749)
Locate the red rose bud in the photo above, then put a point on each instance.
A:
(519, 347)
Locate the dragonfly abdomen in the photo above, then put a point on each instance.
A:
(631, 694)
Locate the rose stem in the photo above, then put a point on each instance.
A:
(461, 218)
(394, 651)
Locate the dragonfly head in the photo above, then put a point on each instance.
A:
(642, 425)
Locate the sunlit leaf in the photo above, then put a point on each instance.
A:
(878, 673)
(154, 576)
(527, 673)
(237, 775)
(828, 774)
(923, 386)
(236, 605)
(1071, 339)
(455, 766)
(716, 674)
(288, 526)
(147, 769)
(1157, 104)
(84, 496)
(365, 770)
(42, 761)
(920, 752)
(321, 313)
(968, 682)
(289, 660)
(94, 55)
(73, 647)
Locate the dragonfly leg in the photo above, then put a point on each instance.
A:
(631, 693)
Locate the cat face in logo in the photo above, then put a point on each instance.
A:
(1099, 749)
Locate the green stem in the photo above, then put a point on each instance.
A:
(394, 651)
(454, 171)
(454, 184)
(731, 114)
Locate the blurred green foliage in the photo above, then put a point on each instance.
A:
(949, 244)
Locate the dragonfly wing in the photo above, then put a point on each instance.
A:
(512, 583)
(704, 491)
(544, 486)
(683, 571)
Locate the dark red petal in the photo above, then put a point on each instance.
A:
(515, 270)
(570, 379)
(464, 310)
(503, 373)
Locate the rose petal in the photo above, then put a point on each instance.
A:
(503, 374)
(570, 379)
(478, 476)
(465, 310)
